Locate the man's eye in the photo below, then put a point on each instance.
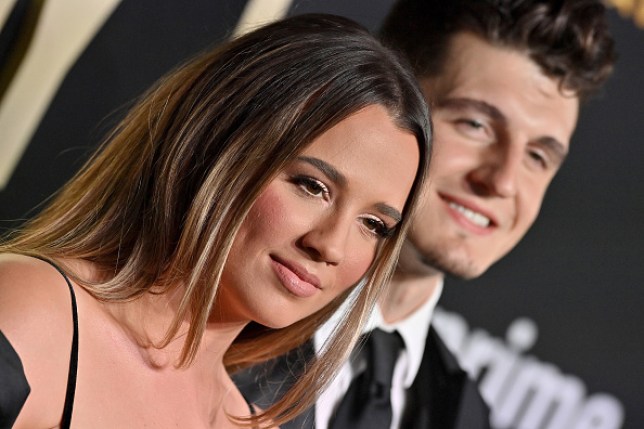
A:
(473, 128)
(473, 123)
(539, 158)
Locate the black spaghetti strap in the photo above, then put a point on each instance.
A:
(251, 407)
(73, 360)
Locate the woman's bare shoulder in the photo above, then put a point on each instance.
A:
(35, 304)
(36, 318)
(31, 291)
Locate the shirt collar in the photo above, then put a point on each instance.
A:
(412, 329)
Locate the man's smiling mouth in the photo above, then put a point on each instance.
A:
(476, 218)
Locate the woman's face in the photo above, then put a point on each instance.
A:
(314, 230)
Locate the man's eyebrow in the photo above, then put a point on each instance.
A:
(387, 210)
(470, 103)
(327, 169)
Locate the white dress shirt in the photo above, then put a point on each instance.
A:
(413, 331)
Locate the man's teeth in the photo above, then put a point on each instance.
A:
(476, 218)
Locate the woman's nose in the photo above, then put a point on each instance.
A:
(327, 240)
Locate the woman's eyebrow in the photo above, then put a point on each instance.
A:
(326, 168)
(387, 210)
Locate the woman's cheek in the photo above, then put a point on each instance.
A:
(356, 267)
(270, 212)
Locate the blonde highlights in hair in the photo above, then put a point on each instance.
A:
(161, 202)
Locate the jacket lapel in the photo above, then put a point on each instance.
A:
(442, 395)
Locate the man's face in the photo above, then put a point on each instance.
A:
(501, 131)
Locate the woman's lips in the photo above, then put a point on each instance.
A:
(295, 278)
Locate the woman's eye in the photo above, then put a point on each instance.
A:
(377, 227)
(311, 186)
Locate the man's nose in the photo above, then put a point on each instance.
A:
(498, 173)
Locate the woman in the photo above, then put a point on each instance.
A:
(227, 216)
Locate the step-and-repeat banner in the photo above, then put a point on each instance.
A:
(554, 332)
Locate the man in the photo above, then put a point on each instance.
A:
(505, 79)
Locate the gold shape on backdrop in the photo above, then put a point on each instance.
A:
(633, 9)
(64, 29)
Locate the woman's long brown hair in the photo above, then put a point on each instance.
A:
(161, 202)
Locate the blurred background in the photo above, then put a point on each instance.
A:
(555, 329)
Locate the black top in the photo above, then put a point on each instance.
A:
(15, 388)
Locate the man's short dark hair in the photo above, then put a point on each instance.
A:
(568, 39)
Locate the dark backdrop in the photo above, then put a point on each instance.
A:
(569, 292)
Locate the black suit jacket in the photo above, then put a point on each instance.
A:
(441, 397)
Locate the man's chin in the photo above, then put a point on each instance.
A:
(459, 267)
(429, 261)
